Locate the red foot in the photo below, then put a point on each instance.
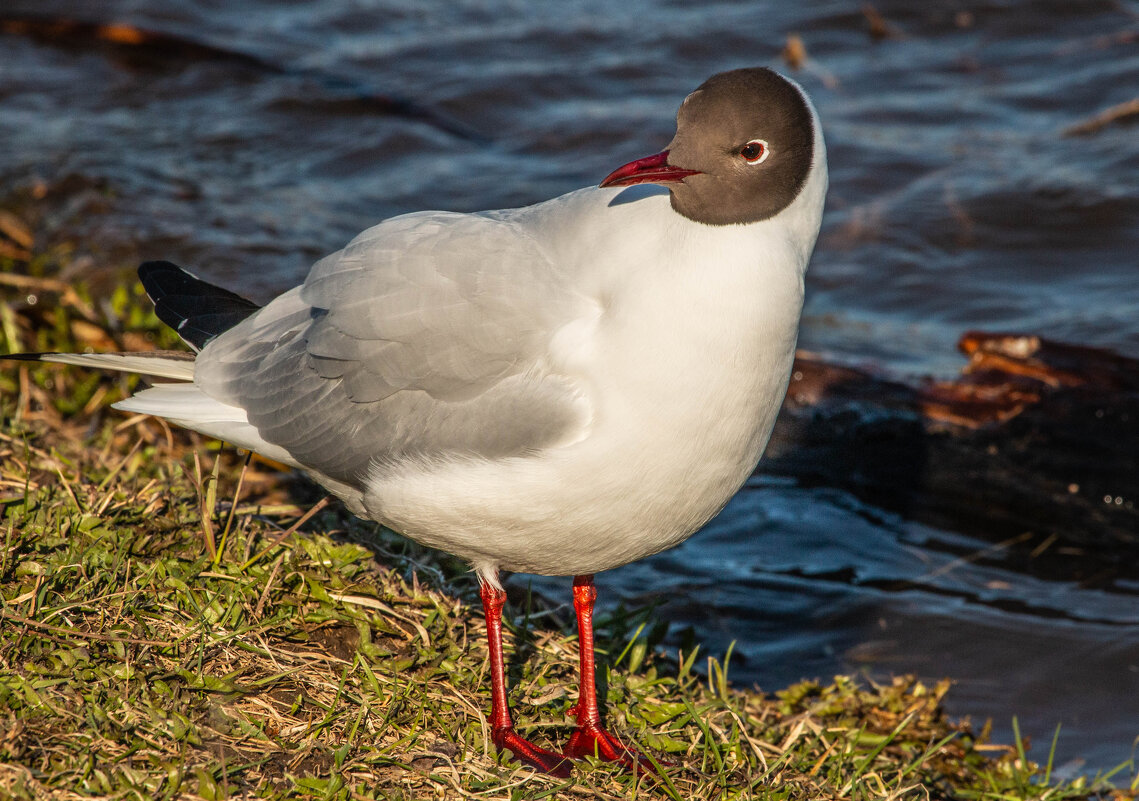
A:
(529, 754)
(591, 740)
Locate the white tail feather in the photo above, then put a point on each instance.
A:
(187, 406)
(180, 402)
(179, 369)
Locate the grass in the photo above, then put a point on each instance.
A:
(168, 631)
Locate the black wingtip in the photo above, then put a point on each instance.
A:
(197, 310)
(26, 357)
(152, 270)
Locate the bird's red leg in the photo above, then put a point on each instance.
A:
(589, 737)
(501, 725)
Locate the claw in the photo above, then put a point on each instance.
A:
(527, 753)
(590, 740)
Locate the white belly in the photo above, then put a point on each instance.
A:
(682, 414)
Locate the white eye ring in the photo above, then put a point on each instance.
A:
(764, 151)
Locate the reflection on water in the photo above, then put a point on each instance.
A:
(957, 201)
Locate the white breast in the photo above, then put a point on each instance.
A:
(685, 359)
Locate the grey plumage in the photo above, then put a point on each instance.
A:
(409, 341)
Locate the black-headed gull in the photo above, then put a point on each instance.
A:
(559, 389)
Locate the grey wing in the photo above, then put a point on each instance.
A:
(425, 336)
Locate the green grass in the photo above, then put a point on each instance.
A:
(165, 634)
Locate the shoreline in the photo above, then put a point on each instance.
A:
(164, 635)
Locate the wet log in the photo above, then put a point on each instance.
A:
(144, 49)
(1035, 445)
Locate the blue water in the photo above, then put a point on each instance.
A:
(957, 202)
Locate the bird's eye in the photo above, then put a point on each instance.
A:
(755, 151)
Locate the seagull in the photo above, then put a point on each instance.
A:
(559, 389)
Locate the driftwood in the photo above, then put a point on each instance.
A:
(1035, 445)
(142, 48)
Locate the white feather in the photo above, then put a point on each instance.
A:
(178, 369)
(182, 402)
(186, 405)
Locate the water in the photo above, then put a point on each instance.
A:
(957, 201)
(809, 583)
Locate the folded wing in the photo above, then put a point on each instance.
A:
(426, 336)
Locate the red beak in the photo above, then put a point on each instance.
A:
(649, 170)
